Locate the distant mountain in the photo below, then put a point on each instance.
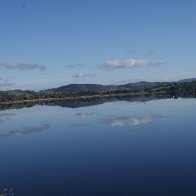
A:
(141, 85)
(187, 80)
(77, 88)
(177, 88)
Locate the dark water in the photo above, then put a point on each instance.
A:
(113, 149)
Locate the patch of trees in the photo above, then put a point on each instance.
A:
(169, 89)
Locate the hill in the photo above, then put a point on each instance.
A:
(187, 80)
(182, 88)
(77, 88)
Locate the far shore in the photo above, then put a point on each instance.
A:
(78, 97)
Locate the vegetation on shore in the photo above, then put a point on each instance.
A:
(172, 89)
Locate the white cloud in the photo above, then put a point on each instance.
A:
(129, 63)
(82, 75)
(23, 66)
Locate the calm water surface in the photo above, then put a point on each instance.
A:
(113, 149)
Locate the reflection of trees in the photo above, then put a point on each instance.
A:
(84, 99)
(84, 102)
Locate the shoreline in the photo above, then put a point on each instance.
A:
(82, 97)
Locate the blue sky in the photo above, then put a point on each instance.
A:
(48, 43)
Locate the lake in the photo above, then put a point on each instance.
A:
(119, 148)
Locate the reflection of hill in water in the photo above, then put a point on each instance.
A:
(91, 102)
(86, 102)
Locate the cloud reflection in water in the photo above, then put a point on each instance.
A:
(24, 131)
(132, 120)
(6, 116)
(85, 114)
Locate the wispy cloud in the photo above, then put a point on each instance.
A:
(131, 53)
(23, 66)
(120, 82)
(25, 131)
(132, 120)
(82, 75)
(151, 52)
(5, 83)
(129, 63)
(74, 65)
(161, 62)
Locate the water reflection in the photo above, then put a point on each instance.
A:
(6, 116)
(79, 125)
(24, 131)
(85, 151)
(83, 103)
(132, 120)
(85, 114)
